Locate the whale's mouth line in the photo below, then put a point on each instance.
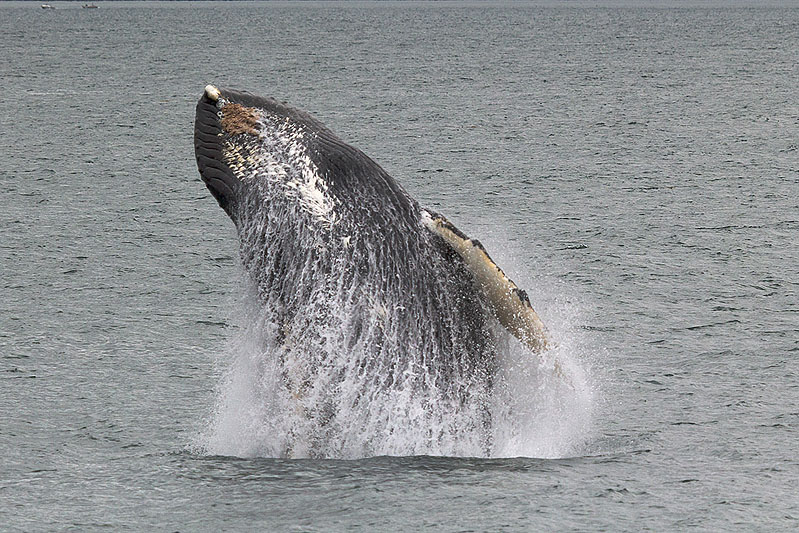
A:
(208, 146)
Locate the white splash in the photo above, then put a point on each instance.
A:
(534, 410)
(285, 159)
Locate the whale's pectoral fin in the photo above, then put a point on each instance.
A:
(509, 303)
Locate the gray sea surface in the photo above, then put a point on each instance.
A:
(633, 165)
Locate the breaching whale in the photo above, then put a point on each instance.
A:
(372, 305)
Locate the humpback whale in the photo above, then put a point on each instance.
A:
(371, 304)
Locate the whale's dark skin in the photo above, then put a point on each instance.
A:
(349, 274)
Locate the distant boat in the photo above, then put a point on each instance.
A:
(90, 6)
(47, 6)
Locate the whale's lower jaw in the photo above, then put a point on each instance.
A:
(208, 146)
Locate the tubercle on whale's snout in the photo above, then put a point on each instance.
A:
(234, 118)
(212, 93)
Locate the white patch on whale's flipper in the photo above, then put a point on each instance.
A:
(508, 301)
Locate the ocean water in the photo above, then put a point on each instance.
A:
(634, 166)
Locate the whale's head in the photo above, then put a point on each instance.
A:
(243, 141)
